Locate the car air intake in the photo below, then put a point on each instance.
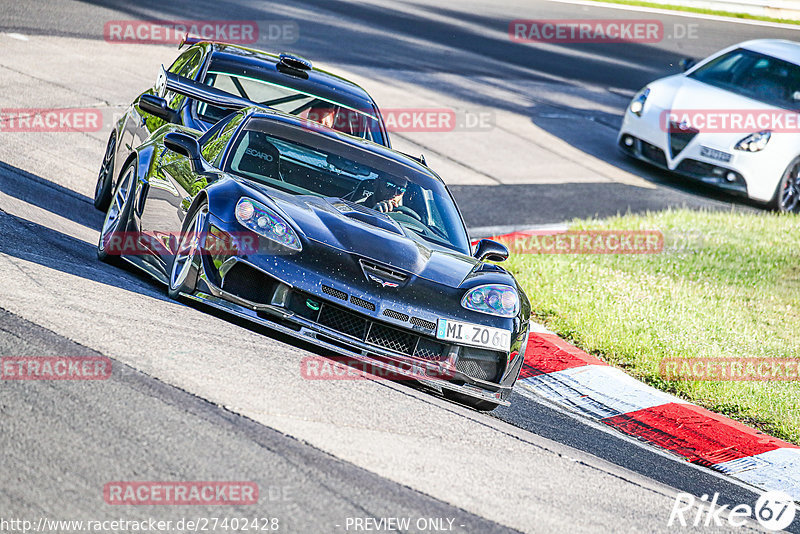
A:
(382, 274)
(365, 329)
(363, 303)
(679, 136)
(479, 363)
(248, 283)
(395, 315)
(422, 323)
(334, 292)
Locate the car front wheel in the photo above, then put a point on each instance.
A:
(186, 265)
(112, 235)
(787, 195)
(102, 190)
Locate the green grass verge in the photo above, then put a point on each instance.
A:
(699, 10)
(725, 285)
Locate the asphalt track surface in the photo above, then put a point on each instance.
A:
(198, 396)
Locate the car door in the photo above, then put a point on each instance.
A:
(173, 184)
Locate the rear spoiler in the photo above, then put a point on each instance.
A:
(169, 81)
(187, 40)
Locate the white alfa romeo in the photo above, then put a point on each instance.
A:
(731, 120)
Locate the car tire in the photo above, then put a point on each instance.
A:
(472, 402)
(186, 263)
(117, 215)
(787, 194)
(102, 190)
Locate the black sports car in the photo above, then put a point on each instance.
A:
(324, 236)
(287, 83)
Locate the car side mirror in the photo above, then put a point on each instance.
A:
(488, 250)
(186, 145)
(687, 63)
(157, 106)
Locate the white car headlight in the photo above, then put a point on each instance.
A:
(754, 142)
(637, 104)
(493, 299)
(255, 216)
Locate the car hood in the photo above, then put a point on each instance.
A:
(682, 93)
(370, 235)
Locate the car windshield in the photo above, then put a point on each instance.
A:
(357, 122)
(359, 181)
(757, 76)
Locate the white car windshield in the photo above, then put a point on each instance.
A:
(757, 76)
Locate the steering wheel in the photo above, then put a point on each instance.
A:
(408, 211)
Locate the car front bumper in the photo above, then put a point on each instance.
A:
(708, 157)
(440, 374)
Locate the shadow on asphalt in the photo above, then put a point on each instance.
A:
(30, 241)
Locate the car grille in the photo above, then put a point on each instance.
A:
(479, 363)
(422, 323)
(363, 303)
(680, 137)
(392, 339)
(654, 154)
(428, 350)
(334, 293)
(343, 321)
(365, 329)
(396, 315)
(695, 168)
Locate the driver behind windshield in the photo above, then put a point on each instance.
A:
(323, 114)
(387, 194)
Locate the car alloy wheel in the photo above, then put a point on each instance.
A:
(102, 191)
(117, 213)
(185, 266)
(790, 190)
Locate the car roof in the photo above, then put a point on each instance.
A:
(779, 48)
(314, 81)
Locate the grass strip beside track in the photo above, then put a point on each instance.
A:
(726, 285)
(699, 10)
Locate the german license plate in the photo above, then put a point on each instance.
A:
(474, 334)
(714, 154)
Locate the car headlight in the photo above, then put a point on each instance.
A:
(637, 104)
(492, 299)
(255, 216)
(754, 142)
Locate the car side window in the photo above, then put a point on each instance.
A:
(214, 140)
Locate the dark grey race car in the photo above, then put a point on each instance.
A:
(324, 236)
